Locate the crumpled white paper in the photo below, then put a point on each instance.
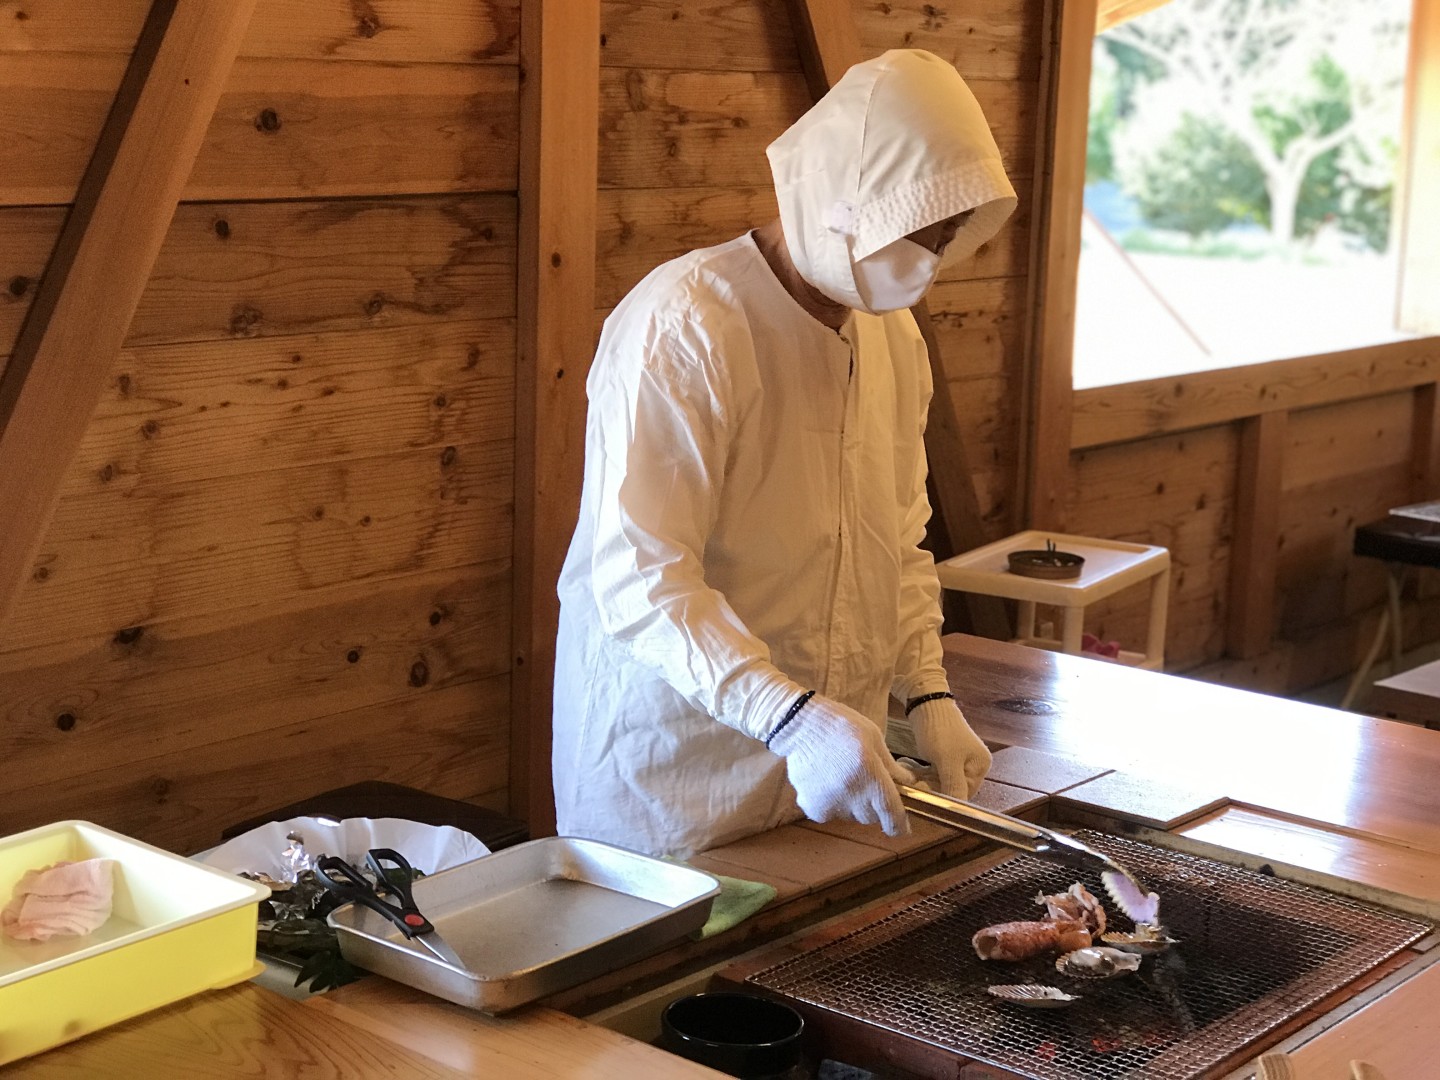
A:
(428, 848)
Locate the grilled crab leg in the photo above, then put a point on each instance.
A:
(1127, 892)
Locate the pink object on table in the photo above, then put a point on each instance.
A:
(1089, 643)
(69, 898)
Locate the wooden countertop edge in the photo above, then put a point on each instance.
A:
(792, 917)
(533, 1043)
(549, 1040)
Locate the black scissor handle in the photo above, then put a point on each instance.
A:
(341, 878)
(345, 881)
(394, 874)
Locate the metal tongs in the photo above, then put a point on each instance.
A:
(1124, 887)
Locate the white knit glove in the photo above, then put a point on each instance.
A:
(839, 766)
(943, 738)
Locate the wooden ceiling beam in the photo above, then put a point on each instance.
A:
(1418, 221)
(559, 167)
(829, 44)
(1112, 13)
(102, 261)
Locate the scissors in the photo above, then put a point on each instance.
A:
(392, 875)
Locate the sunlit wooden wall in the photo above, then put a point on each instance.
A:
(283, 557)
(1338, 465)
(280, 563)
(690, 96)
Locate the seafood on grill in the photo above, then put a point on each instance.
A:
(1129, 897)
(1078, 904)
(1022, 940)
(1097, 962)
(1145, 940)
(1034, 996)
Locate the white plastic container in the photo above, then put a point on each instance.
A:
(176, 928)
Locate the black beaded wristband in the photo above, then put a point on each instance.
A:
(923, 698)
(790, 714)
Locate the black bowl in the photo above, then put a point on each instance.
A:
(1054, 565)
(739, 1034)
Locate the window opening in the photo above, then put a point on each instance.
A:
(1240, 183)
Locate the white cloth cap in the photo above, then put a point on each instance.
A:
(897, 144)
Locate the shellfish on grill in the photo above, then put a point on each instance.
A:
(1129, 897)
(1033, 996)
(1078, 904)
(1022, 940)
(1146, 939)
(1097, 962)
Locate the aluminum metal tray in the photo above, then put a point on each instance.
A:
(532, 920)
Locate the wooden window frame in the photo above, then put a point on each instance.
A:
(1061, 419)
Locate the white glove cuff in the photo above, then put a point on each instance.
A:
(929, 718)
(927, 699)
(766, 705)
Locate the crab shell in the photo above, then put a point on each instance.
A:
(1034, 996)
(1097, 962)
(1076, 903)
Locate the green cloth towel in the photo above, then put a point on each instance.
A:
(737, 901)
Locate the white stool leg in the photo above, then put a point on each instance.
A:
(1070, 636)
(1365, 665)
(1025, 622)
(1159, 606)
(1394, 578)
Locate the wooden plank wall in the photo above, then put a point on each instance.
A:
(1255, 477)
(1340, 465)
(281, 559)
(690, 96)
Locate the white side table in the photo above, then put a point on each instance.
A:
(1110, 565)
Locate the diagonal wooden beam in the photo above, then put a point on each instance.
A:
(829, 45)
(1417, 220)
(1112, 13)
(559, 129)
(828, 41)
(102, 260)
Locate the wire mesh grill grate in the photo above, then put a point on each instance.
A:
(1255, 951)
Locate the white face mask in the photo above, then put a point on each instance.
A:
(897, 276)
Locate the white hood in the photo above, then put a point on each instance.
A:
(897, 144)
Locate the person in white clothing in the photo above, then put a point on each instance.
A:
(746, 584)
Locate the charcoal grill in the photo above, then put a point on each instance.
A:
(1256, 952)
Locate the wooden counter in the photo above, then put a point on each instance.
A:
(1317, 788)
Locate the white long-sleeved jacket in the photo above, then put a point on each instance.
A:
(753, 503)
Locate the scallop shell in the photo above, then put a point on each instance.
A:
(1146, 940)
(1034, 996)
(1129, 897)
(1097, 962)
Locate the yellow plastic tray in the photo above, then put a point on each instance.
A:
(177, 927)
